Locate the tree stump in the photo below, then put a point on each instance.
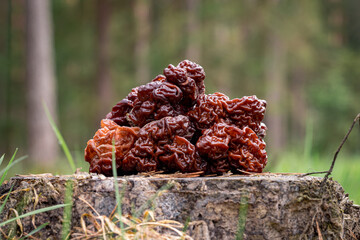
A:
(261, 206)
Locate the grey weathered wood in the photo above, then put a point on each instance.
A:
(275, 206)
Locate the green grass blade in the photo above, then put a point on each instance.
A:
(7, 196)
(243, 208)
(60, 139)
(33, 213)
(1, 159)
(66, 226)
(12, 164)
(35, 231)
(7, 168)
(185, 228)
(116, 185)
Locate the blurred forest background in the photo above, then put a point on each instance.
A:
(82, 56)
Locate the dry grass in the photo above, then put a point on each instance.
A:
(94, 226)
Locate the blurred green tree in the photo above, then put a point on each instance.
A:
(301, 56)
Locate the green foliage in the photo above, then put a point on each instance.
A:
(243, 208)
(345, 170)
(334, 105)
(34, 231)
(68, 200)
(60, 139)
(233, 40)
(10, 164)
(6, 198)
(2, 159)
(41, 210)
(116, 186)
(3, 174)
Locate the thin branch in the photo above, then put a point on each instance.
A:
(312, 173)
(338, 150)
(328, 173)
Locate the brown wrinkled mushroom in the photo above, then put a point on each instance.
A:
(99, 149)
(164, 145)
(241, 148)
(177, 127)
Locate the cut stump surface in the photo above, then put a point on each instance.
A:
(263, 206)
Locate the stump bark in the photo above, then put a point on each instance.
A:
(264, 206)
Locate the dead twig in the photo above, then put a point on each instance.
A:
(3, 233)
(36, 201)
(87, 203)
(310, 224)
(318, 231)
(245, 172)
(357, 118)
(352, 234)
(18, 221)
(149, 174)
(178, 175)
(16, 191)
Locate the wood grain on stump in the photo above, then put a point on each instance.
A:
(264, 206)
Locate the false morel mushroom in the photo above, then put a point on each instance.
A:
(170, 125)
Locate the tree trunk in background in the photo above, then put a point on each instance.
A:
(193, 44)
(336, 22)
(142, 35)
(6, 129)
(275, 74)
(103, 56)
(43, 146)
(298, 108)
(223, 72)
